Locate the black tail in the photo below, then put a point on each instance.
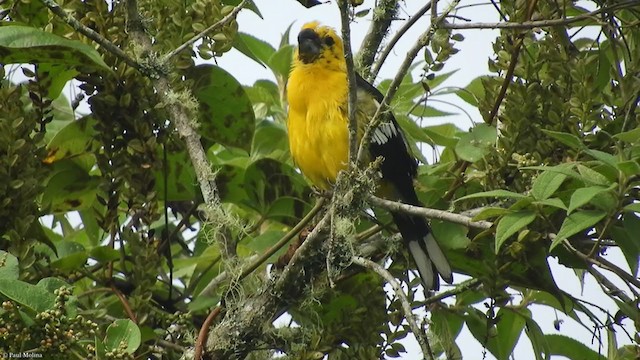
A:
(424, 250)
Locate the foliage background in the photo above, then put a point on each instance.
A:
(142, 254)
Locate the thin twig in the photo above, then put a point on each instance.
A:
(91, 34)
(204, 331)
(406, 306)
(540, 23)
(460, 288)
(429, 213)
(222, 22)
(394, 40)
(351, 80)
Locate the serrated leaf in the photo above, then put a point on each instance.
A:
(512, 223)
(577, 222)
(546, 184)
(570, 348)
(28, 45)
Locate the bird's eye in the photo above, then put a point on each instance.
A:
(329, 40)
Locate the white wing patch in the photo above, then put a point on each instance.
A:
(384, 132)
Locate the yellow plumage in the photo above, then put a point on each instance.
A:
(317, 94)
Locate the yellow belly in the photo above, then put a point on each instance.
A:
(318, 130)
(319, 146)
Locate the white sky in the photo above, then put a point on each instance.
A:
(472, 62)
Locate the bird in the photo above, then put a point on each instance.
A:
(317, 125)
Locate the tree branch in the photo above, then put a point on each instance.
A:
(406, 306)
(351, 80)
(540, 23)
(383, 14)
(429, 213)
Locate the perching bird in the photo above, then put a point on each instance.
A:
(319, 139)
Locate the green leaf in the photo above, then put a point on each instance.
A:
(626, 237)
(570, 140)
(70, 189)
(8, 266)
(631, 136)
(576, 222)
(490, 212)
(635, 207)
(52, 284)
(428, 111)
(555, 202)
(104, 253)
(537, 339)
(33, 297)
(58, 76)
(280, 62)
(570, 348)
(258, 50)
(509, 328)
(439, 79)
(512, 223)
(27, 45)
(494, 193)
(602, 156)
(475, 145)
(264, 241)
(546, 184)
(583, 196)
(73, 141)
(443, 134)
(629, 167)
(474, 92)
(592, 176)
(450, 235)
(123, 331)
(178, 175)
(71, 256)
(226, 113)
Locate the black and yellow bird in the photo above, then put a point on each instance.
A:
(319, 139)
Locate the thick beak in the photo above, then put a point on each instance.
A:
(309, 46)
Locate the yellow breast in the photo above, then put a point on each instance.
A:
(317, 125)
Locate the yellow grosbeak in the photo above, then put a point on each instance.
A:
(319, 139)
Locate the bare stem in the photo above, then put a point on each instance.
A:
(351, 80)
